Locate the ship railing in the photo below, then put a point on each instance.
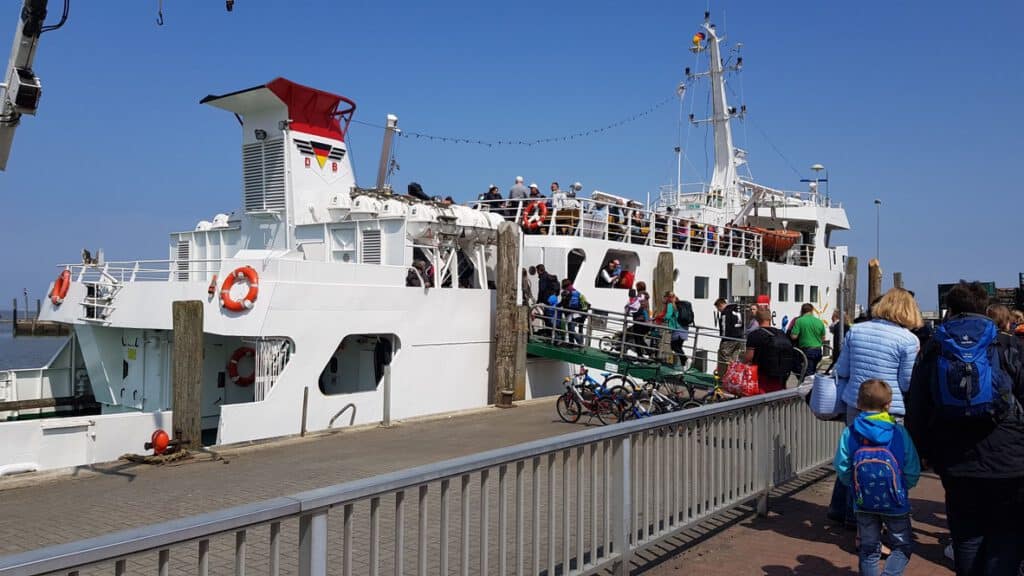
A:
(627, 224)
(801, 254)
(144, 270)
(578, 503)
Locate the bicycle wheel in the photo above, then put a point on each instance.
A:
(613, 380)
(569, 409)
(691, 404)
(604, 409)
(622, 400)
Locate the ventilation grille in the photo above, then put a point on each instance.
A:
(371, 246)
(183, 257)
(263, 175)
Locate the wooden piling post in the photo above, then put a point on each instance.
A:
(663, 282)
(897, 279)
(506, 325)
(874, 280)
(187, 371)
(14, 319)
(850, 286)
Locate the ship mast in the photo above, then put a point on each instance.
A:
(724, 191)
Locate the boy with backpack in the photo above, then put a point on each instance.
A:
(964, 413)
(877, 460)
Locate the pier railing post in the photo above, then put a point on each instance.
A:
(619, 482)
(313, 543)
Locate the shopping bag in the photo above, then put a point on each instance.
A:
(826, 397)
(741, 379)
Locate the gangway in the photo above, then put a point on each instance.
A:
(598, 339)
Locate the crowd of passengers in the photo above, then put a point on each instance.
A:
(563, 214)
(959, 388)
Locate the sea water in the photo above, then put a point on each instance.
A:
(25, 351)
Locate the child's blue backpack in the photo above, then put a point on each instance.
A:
(971, 382)
(878, 476)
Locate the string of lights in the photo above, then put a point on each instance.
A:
(526, 142)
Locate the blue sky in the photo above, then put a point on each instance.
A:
(908, 102)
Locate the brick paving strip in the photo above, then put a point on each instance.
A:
(793, 540)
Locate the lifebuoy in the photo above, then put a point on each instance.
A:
(60, 288)
(535, 215)
(248, 274)
(242, 352)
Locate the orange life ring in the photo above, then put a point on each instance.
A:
(249, 275)
(60, 288)
(535, 215)
(242, 352)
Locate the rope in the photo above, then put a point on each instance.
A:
(526, 142)
(157, 459)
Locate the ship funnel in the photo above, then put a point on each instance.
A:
(294, 156)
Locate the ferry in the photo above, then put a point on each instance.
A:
(315, 316)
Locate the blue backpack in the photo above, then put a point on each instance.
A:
(971, 383)
(878, 485)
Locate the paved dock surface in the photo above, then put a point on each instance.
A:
(794, 539)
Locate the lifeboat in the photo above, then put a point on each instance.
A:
(776, 242)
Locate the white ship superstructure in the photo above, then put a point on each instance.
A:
(308, 317)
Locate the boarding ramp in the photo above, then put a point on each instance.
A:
(581, 503)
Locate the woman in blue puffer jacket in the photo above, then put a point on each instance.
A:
(884, 348)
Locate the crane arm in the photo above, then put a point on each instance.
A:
(21, 90)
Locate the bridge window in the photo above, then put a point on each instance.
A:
(798, 292)
(783, 292)
(723, 288)
(700, 287)
(814, 295)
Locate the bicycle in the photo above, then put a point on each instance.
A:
(582, 392)
(647, 401)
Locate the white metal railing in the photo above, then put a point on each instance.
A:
(272, 355)
(802, 254)
(144, 270)
(631, 225)
(573, 504)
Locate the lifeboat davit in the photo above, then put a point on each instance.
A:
(776, 242)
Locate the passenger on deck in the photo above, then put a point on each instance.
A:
(417, 275)
(527, 289)
(636, 315)
(547, 284)
(609, 276)
(518, 191)
(574, 302)
(535, 191)
(753, 324)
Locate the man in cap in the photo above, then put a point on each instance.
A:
(518, 191)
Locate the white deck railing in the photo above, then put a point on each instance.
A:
(572, 504)
(590, 218)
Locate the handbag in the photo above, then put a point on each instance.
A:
(741, 379)
(826, 397)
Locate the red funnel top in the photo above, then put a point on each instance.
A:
(314, 111)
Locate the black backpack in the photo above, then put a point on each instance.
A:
(776, 358)
(684, 311)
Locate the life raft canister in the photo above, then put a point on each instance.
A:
(248, 274)
(535, 215)
(240, 353)
(60, 288)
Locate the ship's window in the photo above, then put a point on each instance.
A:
(628, 263)
(357, 364)
(700, 287)
(814, 295)
(723, 288)
(576, 259)
(783, 292)
(798, 293)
